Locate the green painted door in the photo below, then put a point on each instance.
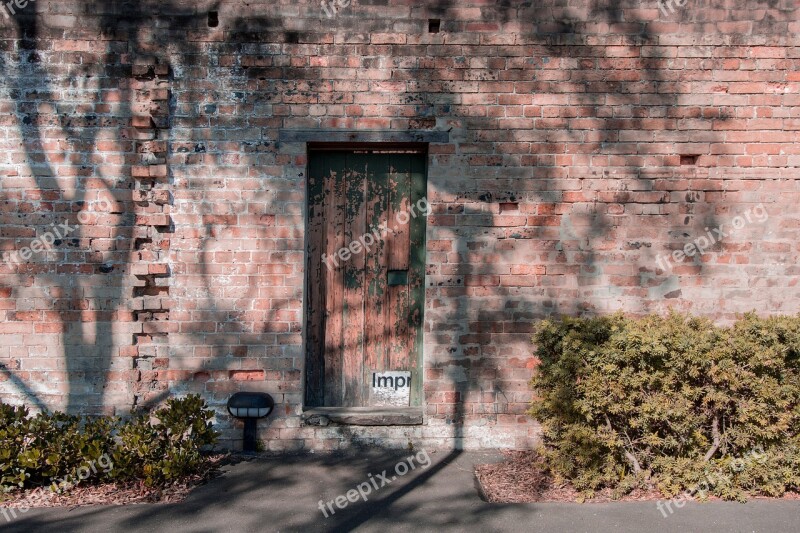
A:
(366, 273)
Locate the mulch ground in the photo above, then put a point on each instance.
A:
(523, 478)
(114, 493)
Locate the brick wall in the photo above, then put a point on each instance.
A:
(589, 144)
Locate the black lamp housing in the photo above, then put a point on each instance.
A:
(250, 406)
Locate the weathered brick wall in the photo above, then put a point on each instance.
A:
(588, 142)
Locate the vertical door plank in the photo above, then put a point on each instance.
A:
(354, 228)
(399, 250)
(376, 332)
(398, 238)
(315, 302)
(334, 279)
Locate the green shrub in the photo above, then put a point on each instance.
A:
(166, 445)
(157, 448)
(671, 401)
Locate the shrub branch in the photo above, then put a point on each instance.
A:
(637, 468)
(715, 445)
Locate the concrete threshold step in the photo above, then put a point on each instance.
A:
(363, 416)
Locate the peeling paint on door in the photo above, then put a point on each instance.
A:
(365, 274)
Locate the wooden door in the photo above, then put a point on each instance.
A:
(365, 275)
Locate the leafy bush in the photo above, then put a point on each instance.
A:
(157, 448)
(672, 402)
(166, 446)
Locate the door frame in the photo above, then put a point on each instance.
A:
(313, 398)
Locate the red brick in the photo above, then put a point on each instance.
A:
(142, 121)
(247, 375)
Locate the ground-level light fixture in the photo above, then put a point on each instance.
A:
(250, 406)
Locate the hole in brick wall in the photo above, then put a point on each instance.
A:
(150, 290)
(213, 19)
(689, 159)
(509, 206)
(434, 25)
(141, 243)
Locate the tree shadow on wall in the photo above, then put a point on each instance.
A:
(593, 99)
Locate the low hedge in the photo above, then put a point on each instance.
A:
(671, 402)
(58, 450)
